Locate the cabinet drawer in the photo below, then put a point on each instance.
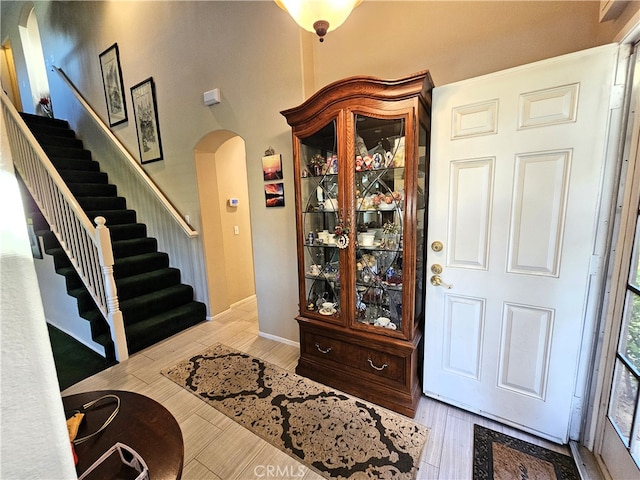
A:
(348, 356)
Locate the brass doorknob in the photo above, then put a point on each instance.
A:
(436, 281)
(437, 246)
(436, 268)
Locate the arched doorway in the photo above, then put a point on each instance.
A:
(34, 58)
(8, 76)
(221, 172)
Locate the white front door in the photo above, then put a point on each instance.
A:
(517, 162)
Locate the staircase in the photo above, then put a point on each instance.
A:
(154, 304)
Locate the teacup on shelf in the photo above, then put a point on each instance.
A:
(328, 308)
(365, 239)
(331, 205)
(382, 321)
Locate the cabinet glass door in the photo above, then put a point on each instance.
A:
(319, 189)
(421, 218)
(379, 206)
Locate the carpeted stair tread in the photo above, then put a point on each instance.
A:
(136, 264)
(32, 119)
(93, 189)
(64, 163)
(49, 240)
(134, 246)
(71, 278)
(114, 217)
(99, 328)
(159, 327)
(145, 283)
(102, 203)
(105, 340)
(127, 231)
(137, 250)
(83, 176)
(66, 152)
(60, 259)
(47, 138)
(151, 304)
(51, 131)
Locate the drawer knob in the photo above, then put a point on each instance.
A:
(321, 350)
(384, 365)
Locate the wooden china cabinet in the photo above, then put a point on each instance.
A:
(361, 159)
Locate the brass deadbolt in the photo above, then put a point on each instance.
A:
(437, 246)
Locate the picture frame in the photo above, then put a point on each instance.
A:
(113, 85)
(145, 110)
(272, 167)
(274, 194)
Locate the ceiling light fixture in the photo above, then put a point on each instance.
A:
(318, 16)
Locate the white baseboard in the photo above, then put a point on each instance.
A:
(286, 341)
(239, 303)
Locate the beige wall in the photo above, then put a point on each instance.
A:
(456, 40)
(211, 231)
(232, 182)
(263, 63)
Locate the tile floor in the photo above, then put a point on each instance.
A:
(216, 447)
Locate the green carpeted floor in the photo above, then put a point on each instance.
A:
(74, 361)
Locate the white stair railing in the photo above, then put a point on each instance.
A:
(88, 248)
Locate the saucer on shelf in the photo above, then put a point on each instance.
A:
(327, 312)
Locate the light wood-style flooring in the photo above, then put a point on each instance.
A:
(218, 448)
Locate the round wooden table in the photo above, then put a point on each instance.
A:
(142, 424)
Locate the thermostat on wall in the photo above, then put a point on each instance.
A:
(233, 202)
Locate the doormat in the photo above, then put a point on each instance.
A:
(336, 435)
(497, 456)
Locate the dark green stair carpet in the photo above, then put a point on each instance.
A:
(154, 304)
(74, 361)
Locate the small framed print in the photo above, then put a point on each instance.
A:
(113, 85)
(274, 194)
(272, 167)
(145, 109)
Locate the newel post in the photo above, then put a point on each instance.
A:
(116, 322)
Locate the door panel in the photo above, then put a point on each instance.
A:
(537, 216)
(470, 213)
(526, 334)
(515, 186)
(464, 321)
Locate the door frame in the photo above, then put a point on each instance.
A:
(602, 432)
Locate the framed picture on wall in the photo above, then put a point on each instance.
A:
(145, 109)
(274, 194)
(113, 85)
(272, 167)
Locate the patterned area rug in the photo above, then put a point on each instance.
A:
(500, 457)
(333, 433)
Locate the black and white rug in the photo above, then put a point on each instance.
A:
(335, 434)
